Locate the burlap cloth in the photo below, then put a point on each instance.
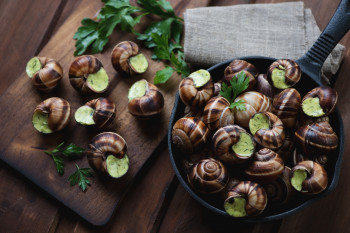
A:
(281, 30)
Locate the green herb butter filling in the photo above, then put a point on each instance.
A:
(40, 122)
(33, 66)
(278, 77)
(200, 78)
(137, 90)
(236, 208)
(312, 107)
(84, 115)
(117, 167)
(244, 146)
(257, 122)
(298, 178)
(139, 63)
(98, 81)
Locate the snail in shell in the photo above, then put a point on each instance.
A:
(87, 75)
(98, 112)
(51, 115)
(45, 73)
(283, 73)
(145, 99)
(127, 59)
(263, 86)
(107, 154)
(238, 66)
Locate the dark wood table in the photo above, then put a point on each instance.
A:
(155, 202)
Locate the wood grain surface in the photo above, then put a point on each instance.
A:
(154, 201)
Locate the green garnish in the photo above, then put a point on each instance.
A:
(239, 83)
(80, 177)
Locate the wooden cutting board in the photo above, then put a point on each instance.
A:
(21, 146)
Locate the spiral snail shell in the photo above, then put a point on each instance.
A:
(45, 73)
(107, 154)
(126, 59)
(283, 73)
(298, 157)
(247, 198)
(189, 134)
(51, 115)
(87, 75)
(217, 113)
(208, 176)
(263, 86)
(238, 66)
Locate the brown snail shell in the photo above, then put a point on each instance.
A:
(190, 160)
(238, 66)
(217, 88)
(224, 139)
(208, 176)
(328, 98)
(286, 106)
(217, 113)
(189, 134)
(103, 145)
(316, 138)
(307, 120)
(253, 193)
(287, 148)
(121, 54)
(263, 86)
(298, 157)
(316, 180)
(104, 111)
(48, 77)
(150, 104)
(193, 96)
(254, 102)
(280, 190)
(58, 111)
(274, 136)
(197, 113)
(79, 70)
(266, 166)
(292, 71)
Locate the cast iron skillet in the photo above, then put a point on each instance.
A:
(310, 65)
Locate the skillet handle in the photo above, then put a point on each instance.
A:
(339, 24)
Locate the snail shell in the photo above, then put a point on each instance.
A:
(274, 136)
(217, 88)
(104, 111)
(79, 71)
(208, 176)
(287, 148)
(217, 113)
(254, 102)
(48, 77)
(316, 180)
(316, 138)
(238, 66)
(58, 111)
(265, 167)
(189, 134)
(263, 86)
(253, 193)
(150, 104)
(224, 139)
(286, 106)
(197, 113)
(291, 69)
(298, 157)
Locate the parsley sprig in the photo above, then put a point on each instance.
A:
(80, 177)
(71, 151)
(239, 83)
(162, 36)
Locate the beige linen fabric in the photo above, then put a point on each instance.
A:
(280, 30)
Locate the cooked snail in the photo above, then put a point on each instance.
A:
(51, 115)
(217, 113)
(99, 112)
(126, 59)
(287, 148)
(145, 99)
(263, 86)
(217, 89)
(232, 144)
(208, 176)
(107, 154)
(283, 73)
(298, 157)
(197, 113)
(238, 66)
(87, 75)
(45, 73)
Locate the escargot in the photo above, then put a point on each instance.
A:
(87, 75)
(126, 59)
(99, 112)
(45, 73)
(51, 115)
(107, 154)
(283, 73)
(217, 113)
(238, 66)
(145, 99)
(208, 176)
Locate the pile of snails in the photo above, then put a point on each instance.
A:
(268, 154)
(88, 76)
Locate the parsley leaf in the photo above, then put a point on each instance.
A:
(59, 164)
(73, 150)
(163, 75)
(239, 105)
(226, 91)
(80, 177)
